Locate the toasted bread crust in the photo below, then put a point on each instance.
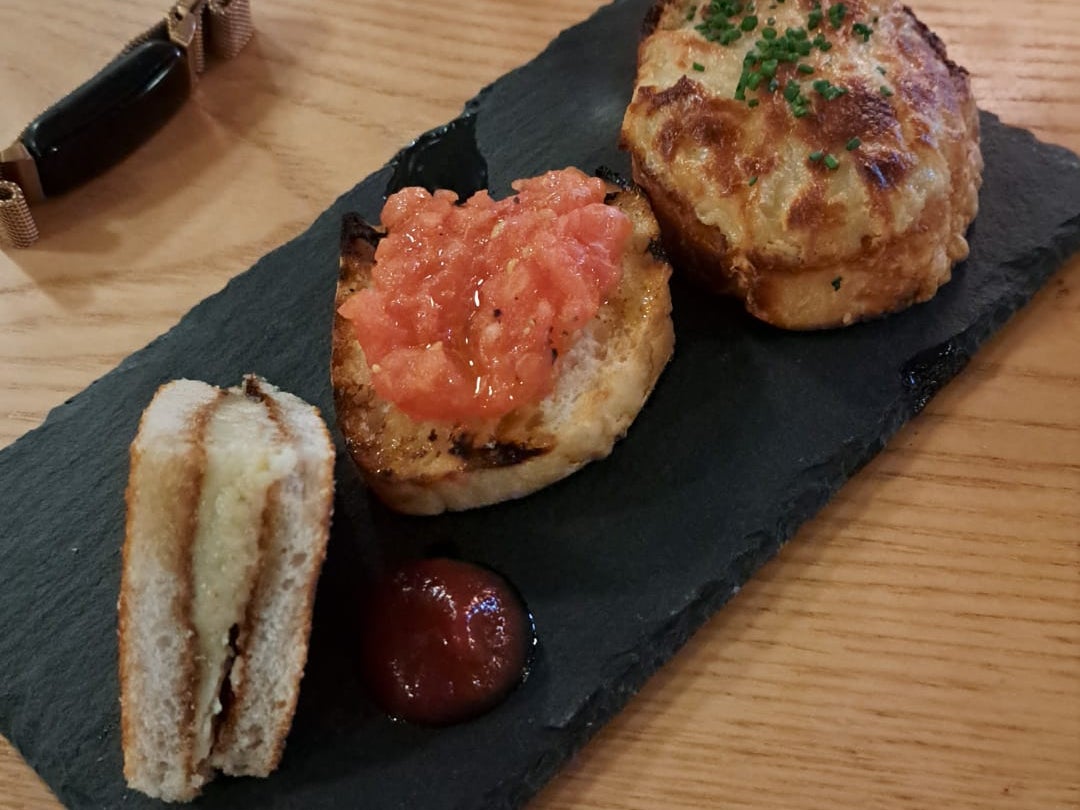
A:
(744, 209)
(262, 459)
(173, 555)
(428, 467)
(234, 750)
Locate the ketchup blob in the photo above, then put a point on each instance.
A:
(446, 641)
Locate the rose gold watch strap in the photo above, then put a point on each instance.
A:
(219, 27)
(17, 226)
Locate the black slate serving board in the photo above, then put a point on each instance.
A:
(748, 433)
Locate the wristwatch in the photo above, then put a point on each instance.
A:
(110, 115)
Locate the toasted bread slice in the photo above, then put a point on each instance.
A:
(426, 467)
(228, 512)
(272, 641)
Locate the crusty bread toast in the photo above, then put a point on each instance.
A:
(426, 467)
(272, 641)
(228, 499)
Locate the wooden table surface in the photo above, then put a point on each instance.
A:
(917, 645)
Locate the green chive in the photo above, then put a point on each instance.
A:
(768, 68)
(753, 80)
(863, 31)
(821, 85)
(796, 33)
(791, 91)
(805, 69)
(768, 33)
(751, 181)
(831, 162)
(752, 103)
(690, 14)
(885, 91)
(814, 18)
(853, 144)
(836, 14)
(800, 111)
(748, 23)
(836, 282)
(881, 70)
(698, 67)
(816, 156)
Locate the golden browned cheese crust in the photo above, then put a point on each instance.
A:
(429, 467)
(805, 245)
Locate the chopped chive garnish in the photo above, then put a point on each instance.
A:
(752, 103)
(753, 81)
(796, 33)
(791, 91)
(885, 91)
(805, 69)
(768, 33)
(828, 90)
(854, 143)
(836, 282)
(748, 23)
(690, 14)
(831, 162)
(881, 70)
(768, 68)
(698, 67)
(800, 111)
(836, 14)
(814, 18)
(816, 156)
(864, 31)
(751, 181)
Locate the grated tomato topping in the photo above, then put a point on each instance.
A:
(472, 307)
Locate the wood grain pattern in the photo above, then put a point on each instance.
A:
(917, 645)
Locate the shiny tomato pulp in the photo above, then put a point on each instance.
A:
(445, 641)
(471, 306)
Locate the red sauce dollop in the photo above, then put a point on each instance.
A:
(471, 306)
(446, 641)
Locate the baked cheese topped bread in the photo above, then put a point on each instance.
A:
(229, 501)
(818, 160)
